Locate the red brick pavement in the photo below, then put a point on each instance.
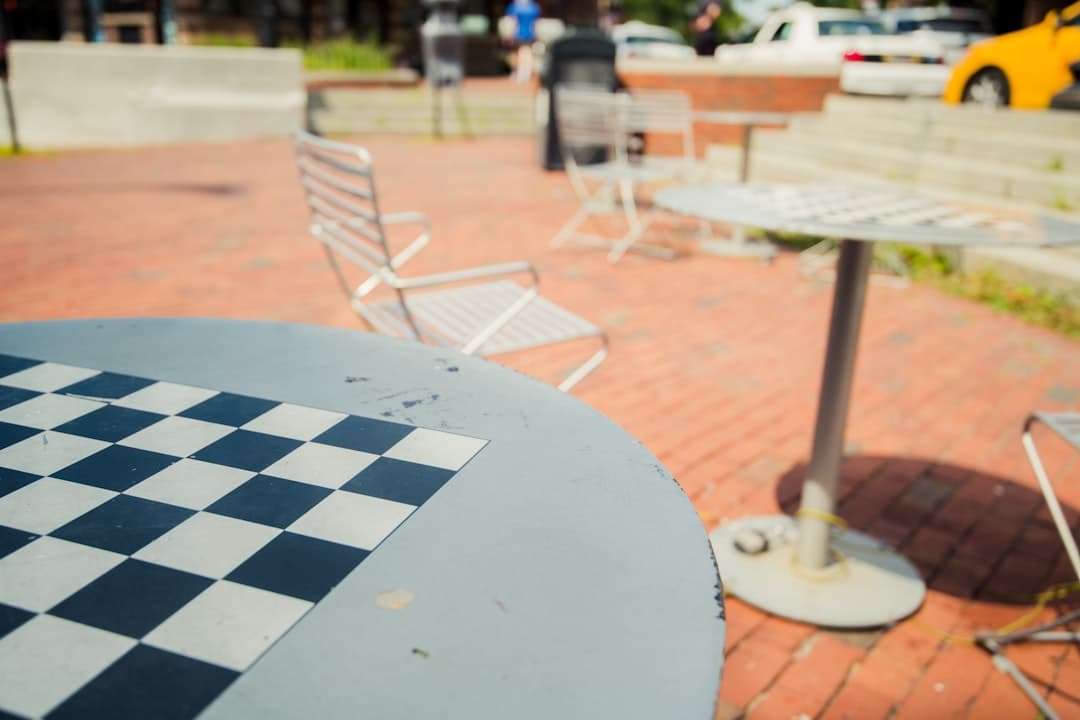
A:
(715, 366)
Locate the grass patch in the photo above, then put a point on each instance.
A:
(347, 55)
(1038, 307)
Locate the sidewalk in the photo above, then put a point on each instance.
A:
(715, 367)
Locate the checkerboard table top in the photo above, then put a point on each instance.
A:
(872, 212)
(157, 538)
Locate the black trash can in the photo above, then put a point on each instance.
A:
(579, 57)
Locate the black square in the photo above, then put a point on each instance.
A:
(229, 409)
(11, 618)
(12, 539)
(110, 423)
(148, 683)
(124, 524)
(11, 434)
(398, 480)
(247, 450)
(10, 364)
(13, 396)
(12, 480)
(116, 467)
(107, 385)
(365, 434)
(133, 598)
(300, 566)
(270, 501)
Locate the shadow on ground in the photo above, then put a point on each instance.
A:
(970, 533)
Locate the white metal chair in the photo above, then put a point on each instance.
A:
(595, 130)
(1067, 426)
(483, 318)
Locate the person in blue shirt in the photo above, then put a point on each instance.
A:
(524, 13)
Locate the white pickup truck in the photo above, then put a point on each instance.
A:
(871, 61)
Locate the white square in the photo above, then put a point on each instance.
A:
(42, 574)
(178, 436)
(47, 452)
(318, 464)
(432, 447)
(48, 377)
(47, 659)
(351, 519)
(165, 398)
(207, 544)
(47, 411)
(191, 483)
(295, 421)
(47, 504)
(228, 624)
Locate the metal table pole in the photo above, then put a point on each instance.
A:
(788, 566)
(819, 489)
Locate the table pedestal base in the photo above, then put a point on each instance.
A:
(868, 585)
(739, 247)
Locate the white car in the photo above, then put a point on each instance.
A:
(870, 60)
(954, 28)
(636, 39)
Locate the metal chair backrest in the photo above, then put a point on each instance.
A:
(663, 112)
(339, 185)
(591, 118)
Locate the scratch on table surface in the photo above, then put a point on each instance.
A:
(422, 401)
(356, 378)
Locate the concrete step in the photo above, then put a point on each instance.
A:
(1047, 153)
(1057, 190)
(411, 111)
(1047, 123)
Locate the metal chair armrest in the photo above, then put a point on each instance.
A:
(474, 273)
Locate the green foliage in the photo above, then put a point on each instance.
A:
(1056, 165)
(347, 54)
(1038, 307)
(679, 15)
(340, 54)
(222, 40)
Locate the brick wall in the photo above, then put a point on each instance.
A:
(714, 87)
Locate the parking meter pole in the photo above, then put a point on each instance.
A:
(268, 31)
(92, 21)
(443, 43)
(13, 131)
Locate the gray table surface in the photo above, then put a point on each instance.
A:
(561, 574)
(871, 213)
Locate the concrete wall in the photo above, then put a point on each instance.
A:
(70, 95)
(714, 85)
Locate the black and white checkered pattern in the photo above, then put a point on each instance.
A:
(156, 539)
(838, 204)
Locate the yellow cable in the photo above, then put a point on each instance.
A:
(824, 516)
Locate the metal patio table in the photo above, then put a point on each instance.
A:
(796, 568)
(543, 563)
(747, 120)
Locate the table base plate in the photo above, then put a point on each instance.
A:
(739, 248)
(868, 586)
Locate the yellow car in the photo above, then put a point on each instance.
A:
(1022, 69)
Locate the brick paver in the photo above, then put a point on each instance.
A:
(715, 367)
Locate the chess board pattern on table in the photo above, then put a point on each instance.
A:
(845, 205)
(156, 538)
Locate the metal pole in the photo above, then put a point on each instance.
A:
(13, 131)
(744, 169)
(268, 30)
(819, 488)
